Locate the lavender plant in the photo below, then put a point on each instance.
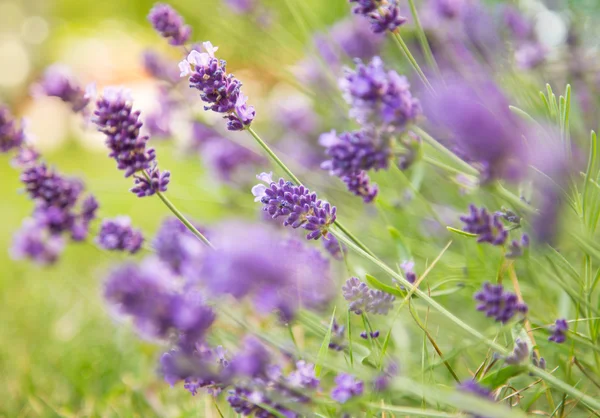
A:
(380, 318)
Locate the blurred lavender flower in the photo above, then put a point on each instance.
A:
(359, 184)
(380, 302)
(281, 277)
(221, 91)
(48, 188)
(300, 207)
(225, 157)
(334, 248)
(365, 336)
(538, 361)
(11, 136)
(176, 246)
(154, 183)
(241, 6)
(59, 82)
(362, 299)
(482, 128)
(169, 24)
(378, 96)
(516, 248)
(351, 152)
(449, 9)
(117, 234)
(474, 388)
(487, 227)
(519, 354)
(559, 331)
(159, 67)
(498, 303)
(304, 376)
(530, 55)
(355, 39)
(26, 157)
(383, 14)
(408, 267)
(519, 26)
(346, 387)
(337, 336)
(34, 242)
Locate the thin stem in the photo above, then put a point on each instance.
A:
(513, 199)
(423, 38)
(180, 216)
(404, 48)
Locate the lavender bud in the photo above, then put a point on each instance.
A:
(346, 387)
(117, 234)
(487, 227)
(359, 184)
(559, 331)
(519, 354)
(169, 24)
(383, 15)
(34, 242)
(11, 136)
(156, 182)
(498, 303)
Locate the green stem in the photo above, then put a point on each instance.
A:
(296, 180)
(513, 199)
(404, 48)
(180, 216)
(466, 167)
(423, 38)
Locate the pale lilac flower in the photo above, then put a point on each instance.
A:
(34, 242)
(59, 82)
(346, 387)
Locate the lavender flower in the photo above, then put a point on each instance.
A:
(448, 9)
(59, 82)
(378, 96)
(351, 152)
(530, 55)
(380, 302)
(474, 388)
(359, 184)
(364, 335)
(241, 6)
(363, 299)
(334, 248)
(355, 39)
(25, 158)
(337, 336)
(177, 247)
(487, 227)
(347, 387)
(498, 303)
(225, 157)
(155, 182)
(383, 14)
(48, 188)
(409, 272)
(300, 207)
(538, 361)
(559, 331)
(516, 248)
(519, 354)
(11, 136)
(34, 242)
(304, 376)
(117, 234)
(219, 90)
(169, 24)
(158, 67)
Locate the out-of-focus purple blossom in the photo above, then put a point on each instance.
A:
(362, 299)
(176, 246)
(378, 96)
(498, 303)
(218, 89)
(158, 122)
(408, 267)
(117, 234)
(59, 82)
(515, 21)
(300, 207)
(346, 387)
(224, 157)
(283, 276)
(519, 354)
(559, 331)
(481, 126)
(538, 361)
(517, 248)
(351, 152)
(474, 388)
(241, 6)
(169, 24)
(364, 335)
(156, 181)
(380, 302)
(337, 336)
(304, 376)
(355, 39)
(26, 157)
(486, 226)
(449, 9)
(252, 360)
(121, 125)
(11, 135)
(359, 184)
(530, 55)
(89, 207)
(297, 116)
(383, 14)
(48, 188)
(34, 242)
(335, 248)
(159, 67)
(412, 143)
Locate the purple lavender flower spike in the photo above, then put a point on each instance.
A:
(517, 248)
(304, 376)
(59, 82)
(519, 354)
(25, 158)
(115, 118)
(356, 293)
(380, 302)
(33, 242)
(300, 207)
(351, 152)
(334, 248)
(408, 267)
(241, 6)
(365, 336)
(169, 24)
(488, 228)
(117, 234)
(50, 189)
(359, 184)
(157, 182)
(378, 96)
(177, 247)
(559, 331)
(383, 14)
(498, 303)
(530, 55)
(337, 336)
(474, 388)
(346, 387)
(11, 136)
(158, 67)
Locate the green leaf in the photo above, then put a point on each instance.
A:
(500, 377)
(459, 232)
(373, 282)
(324, 346)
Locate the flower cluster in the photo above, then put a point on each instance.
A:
(346, 387)
(169, 24)
(360, 185)
(177, 247)
(362, 299)
(474, 388)
(115, 118)
(335, 248)
(352, 152)
(498, 303)
(11, 135)
(221, 92)
(378, 96)
(384, 15)
(298, 204)
(58, 82)
(519, 354)
(118, 235)
(559, 331)
(488, 227)
(517, 248)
